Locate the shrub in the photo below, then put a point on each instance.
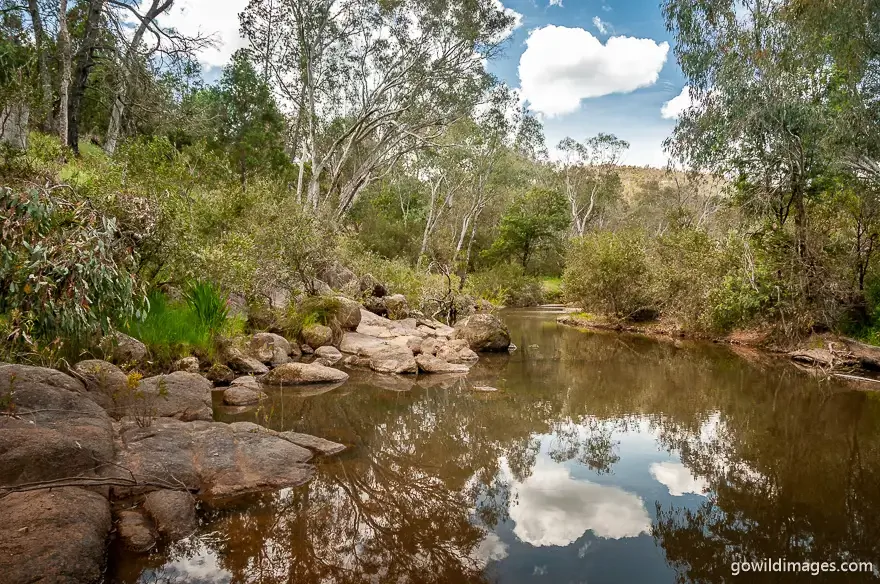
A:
(208, 305)
(506, 285)
(311, 310)
(171, 330)
(608, 273)
(62, 273)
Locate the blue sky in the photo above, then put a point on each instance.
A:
(580, 75)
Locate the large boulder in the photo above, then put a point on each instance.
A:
(303, 373)
(393, 359)
(180, 395)
(328, 356)
(376, 305)
(270, 348)
(431, 364)
(397, 307)
(123, 349)
(360, 344)
(58, 431)
(53, 536)
(338, 276)
(317, 335)
(384, 328)
(135, 530)
(370, 286)
(238, 395)
(173, 511)
(241, 363)
(349, 313)
(483, 332)
(212, 458)
(103, 381)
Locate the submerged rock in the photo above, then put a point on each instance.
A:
(51, 536)
(303, 373)
(173, 511)
(313, 443)
(136, 531)
(238, 395)
(393, 359)
(431, 364)
(483, 332)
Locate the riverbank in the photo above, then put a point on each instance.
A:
(822, 354)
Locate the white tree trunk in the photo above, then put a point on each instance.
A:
(64, 89)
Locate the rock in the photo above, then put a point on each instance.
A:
(270, 348)
(136, 530)
(484, 388)
(306, 350)
(384, 328)
(220, 374)
(180, 395)
(430, 346)
(58, 431)
(103, 381)
(338, 276)
(360, 344)
(393, 359)
(355, 361)
(317, 335)
(414, 344)
(53, 536)
(376, 305)
(349, 313)
(214, 458)
(246, 381)
(313, 443)
(303, 373)
(483, 332)
(238, 395)
(174, 513)
(431, 364)
(328, 355)
(321, 288)
(238, 362)
(456, 351)
(295, 351)
(123, 349)
(817, 357)
(397, 307)
(370, 286)
(188, 364)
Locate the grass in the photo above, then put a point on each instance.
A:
(552, 289)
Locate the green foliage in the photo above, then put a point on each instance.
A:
(62, 270)
(206, 301)
(323, 310)
(171, 330)
(535, 219)
(506, 285)
(609, 273)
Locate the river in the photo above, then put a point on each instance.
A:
(601, 459)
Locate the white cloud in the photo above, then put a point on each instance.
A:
(554, 509)
(561, 66)
(678, 479)
(517, 18)
(606, 8)
(673, 108)
(601, 25)
(210, 17)
(556, 3)
(490, 549)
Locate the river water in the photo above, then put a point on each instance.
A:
(601, 459)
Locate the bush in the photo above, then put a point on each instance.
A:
(208, 305)
(506, 285)
(608, 273)
(171, 330)
(62, 273)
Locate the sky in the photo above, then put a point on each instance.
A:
(582, 66)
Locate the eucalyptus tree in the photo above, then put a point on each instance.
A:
(589, 172)
(371, 81)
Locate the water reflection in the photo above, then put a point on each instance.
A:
(602, 459)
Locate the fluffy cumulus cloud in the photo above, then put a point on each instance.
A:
(555, 509)
(673, 108)
(562, 66)
(678, 479)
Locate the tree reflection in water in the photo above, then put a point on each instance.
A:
(789, 468)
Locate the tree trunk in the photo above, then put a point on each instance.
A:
(42, 66)
(64, 86)
(84, 64)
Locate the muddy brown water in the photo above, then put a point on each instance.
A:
(601, 459)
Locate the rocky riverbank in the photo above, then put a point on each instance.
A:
(98, 452)
(826, 354)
